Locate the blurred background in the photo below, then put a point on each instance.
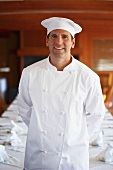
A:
(22, 40)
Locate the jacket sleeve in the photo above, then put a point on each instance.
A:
(23, 98)
(94, 105)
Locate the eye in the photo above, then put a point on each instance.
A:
(65, 36)
(54, 36)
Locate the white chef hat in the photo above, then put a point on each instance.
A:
(54, 23)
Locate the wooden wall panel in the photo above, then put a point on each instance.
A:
(56, 5)
(34, 38)
(95, 17)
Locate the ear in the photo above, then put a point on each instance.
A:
(73, 43)
(47, 41)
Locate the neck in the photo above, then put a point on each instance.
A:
(61, 63)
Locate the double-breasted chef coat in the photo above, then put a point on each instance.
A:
(54, 104)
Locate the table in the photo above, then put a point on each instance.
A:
(17, 153)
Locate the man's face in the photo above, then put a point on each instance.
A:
(60, 43)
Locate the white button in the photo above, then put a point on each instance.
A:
(45, 90)
(66, 92)
(45, 111)
(63, 113)
(46, 68)
(61, 134)
(45, 151)
(71, 72)
(44, 132)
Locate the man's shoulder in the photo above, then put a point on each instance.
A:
(85, 70)
(39, 64)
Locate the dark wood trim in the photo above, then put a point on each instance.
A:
(56, 5)
(33, 21)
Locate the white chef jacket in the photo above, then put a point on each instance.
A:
(54, 104)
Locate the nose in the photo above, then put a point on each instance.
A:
(59, 40)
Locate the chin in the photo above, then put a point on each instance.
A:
(60, 56)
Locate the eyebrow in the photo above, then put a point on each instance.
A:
(53, 33)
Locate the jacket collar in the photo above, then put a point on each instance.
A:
(69, 68)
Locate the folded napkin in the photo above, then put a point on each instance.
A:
(4, 158)
(16, 127)
(107, 155)
(98, 141)
(15, 140)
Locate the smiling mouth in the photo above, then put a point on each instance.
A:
(59, 48)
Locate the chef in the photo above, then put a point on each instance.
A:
(55, 95)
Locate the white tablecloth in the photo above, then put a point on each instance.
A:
(17, 153)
